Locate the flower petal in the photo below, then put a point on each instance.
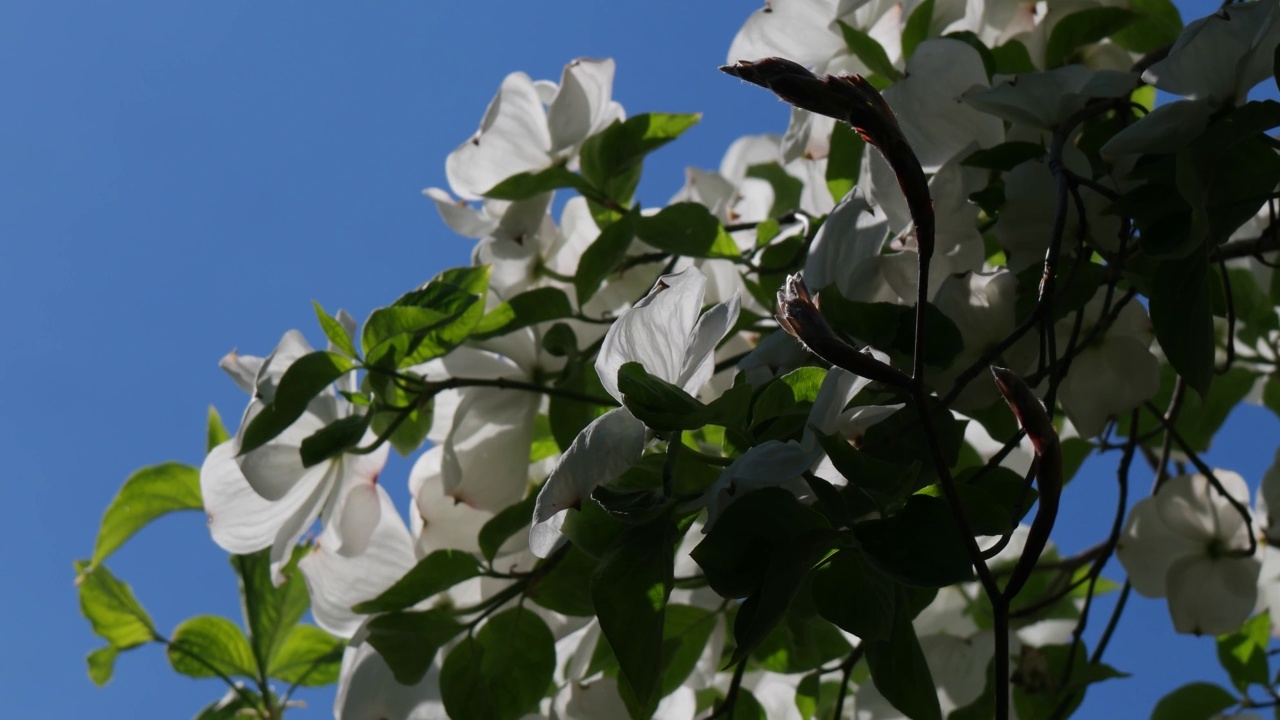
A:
(582, 105)
(655, 332)
(512, 138)
(1212, 596)
(1148, 548)
(367, 690)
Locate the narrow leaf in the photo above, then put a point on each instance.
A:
(334, 330)
(307, 377)
(433, 574)
(215, 433)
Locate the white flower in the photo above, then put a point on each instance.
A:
(530, 126)
(1184, 543)
(665, 334)
(266, 497)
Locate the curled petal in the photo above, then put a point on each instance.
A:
(513, 138)
(656, 332)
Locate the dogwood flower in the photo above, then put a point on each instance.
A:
(530, 126)
(1184, 543)
(266, 497)
(665, 334)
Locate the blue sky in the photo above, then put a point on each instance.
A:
(181, 179)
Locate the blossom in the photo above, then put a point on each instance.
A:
(531, 126)
(266, 497)
(665, 334)
(1185, 543)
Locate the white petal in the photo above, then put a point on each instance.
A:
(768, 464)
(486, 456)
(602, 452)
(441, 521)
(512, 138)
(358, 513)
(1044, 99)
(928, 102)
(655, 332)
(291, 347)
(1166, 129)
(274, 469)
(1148, 548)
(846, 250)
(336, 583)
(795, 29)
(582, 102)
(242, 369)
(240, 520)
(700, 355)
(367, 690)
(460, 217)
(1209, 596)
(1208, 57)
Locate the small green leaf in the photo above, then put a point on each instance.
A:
(501, 527)
(111, 609)
(334, 330)
(566, 588)
(334, 439)
(629, 591)
(146, 495)
(853, 595)
(270, 611)
(685, 633)
(1183, 319)
(1082, 28)
(1243, 653)
(207, 645)
(601, 258)
(1158, 23)
(791, 394)
(234, 706)
(102, 664)
(787, 190)
(921, 546)
(900, 672)
(733, 555)
(528, 308)
(307, 377)
(433, 574)
(784, 573)
(408, 641)
(215, 434)
(503, 671)
(527, 184)
(917, 27)
(659, 404)
(1005, 156)
(1193, 700)
(891, 328)
(688, 229)
(308, 656)
(844, 161)
(611, 158)
(1012, 58)
(868, 51)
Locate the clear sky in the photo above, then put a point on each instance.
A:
(181, 179)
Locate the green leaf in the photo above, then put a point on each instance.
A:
(234, 706)
(747, 707)
(566, 587)
(1012, 58)
(307, 377)
(854, 596)
(629, 591)
(428, 322)
(308, 656)
(801, 641)
(501, 527)
(868, 51)
(917, 27)
(1193, 700)
(111, 609)
(544, 443)
(1243, 653)
(900, 672)
(1083, 28)
(433, 574)
(270, 611)
(884, 482)
(503, 671)
(215, 434)
(688, 229)
(787, 190)
(1183, 319)
(921, 546)
(1005, 156)
(685, 633)
(601, 258)
(102, 664)
(528, 308)
(611, 159)
(527, 184)
(208, 645)
(791, 394)
(1040, 693)
(146, 495)
(334, 330)
(1158, 23)
(734, 553)
(784, 574)
(408, 641)
(844, 161)
(334, 439)
(891, 328)
(656, 402)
